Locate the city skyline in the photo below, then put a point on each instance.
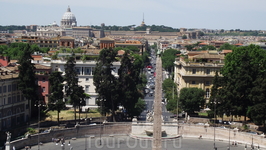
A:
(209, 14)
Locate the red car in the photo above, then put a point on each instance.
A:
(149, 67)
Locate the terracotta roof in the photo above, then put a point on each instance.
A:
(106, 39)
(238, 44)
(38, 66)
(226, 51)
(121, 52)
(203, 44)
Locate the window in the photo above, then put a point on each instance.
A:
(43, 79)
(207, 93)
(14, 87)
(87, 79)
(9, 88)
(18, 98)
(0, 89)
(4, 89)
(207, 83)
(43, 89)
(193, 82)
(87, 88)
(9, 100)
(208, 71)
(87, 70)
(194, 71)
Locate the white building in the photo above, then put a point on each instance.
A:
(85, 76)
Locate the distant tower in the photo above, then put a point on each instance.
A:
(143, 23)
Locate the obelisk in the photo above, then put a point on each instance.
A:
(157, 122)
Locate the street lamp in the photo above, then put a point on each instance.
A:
(86, 136)
(39, 114)
(101, 121)
(214, 146)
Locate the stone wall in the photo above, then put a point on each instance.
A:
(221, 134)
(78, 131)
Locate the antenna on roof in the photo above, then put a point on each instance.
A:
(143, 17)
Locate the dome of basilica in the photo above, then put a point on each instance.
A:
(68, 19)
(69, 15)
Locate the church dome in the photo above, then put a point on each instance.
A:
(68, 15)
(68, 19)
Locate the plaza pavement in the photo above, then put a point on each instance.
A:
(122, 142)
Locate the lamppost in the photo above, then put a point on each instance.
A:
(86, 136)
(214, 146)
(101, 121)
(39, 114)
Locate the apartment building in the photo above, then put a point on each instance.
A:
(14, 109)
(197, 70)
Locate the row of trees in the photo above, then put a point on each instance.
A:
(160, 28)
(240, 87)
(27, 83)
(126, 89)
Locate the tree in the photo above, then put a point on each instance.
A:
(227, 46)
(27, 83)
(169, 88)
(184, 37)
(56, 96)
(207, 47)
(242, 67)
(191, 99)
(106, 84)
(189, 47)
(168, 58)
(73, 90)
(129, 78)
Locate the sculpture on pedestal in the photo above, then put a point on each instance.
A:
(8, 136)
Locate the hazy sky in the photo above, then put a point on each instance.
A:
(211, 14)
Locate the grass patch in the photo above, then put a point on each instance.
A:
(205, 114)
(69, 115)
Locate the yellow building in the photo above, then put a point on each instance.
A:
(197, 70)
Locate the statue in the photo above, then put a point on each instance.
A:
(149, 116)
(8, 136)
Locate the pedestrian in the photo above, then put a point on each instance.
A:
(200, 137)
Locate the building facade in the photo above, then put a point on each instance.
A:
(197, 71)
(85, 70)
(14, 109)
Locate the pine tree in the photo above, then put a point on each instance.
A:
(56, 96)
(73, 90)
(27, 83)
(105, 82)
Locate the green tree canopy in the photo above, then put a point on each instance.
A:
(191, 99)
(170, 91)
(106, 84)
(73, 90)
(242, 68)
(227, 46)
(168, 58)
(56, 96)
(26, 69)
